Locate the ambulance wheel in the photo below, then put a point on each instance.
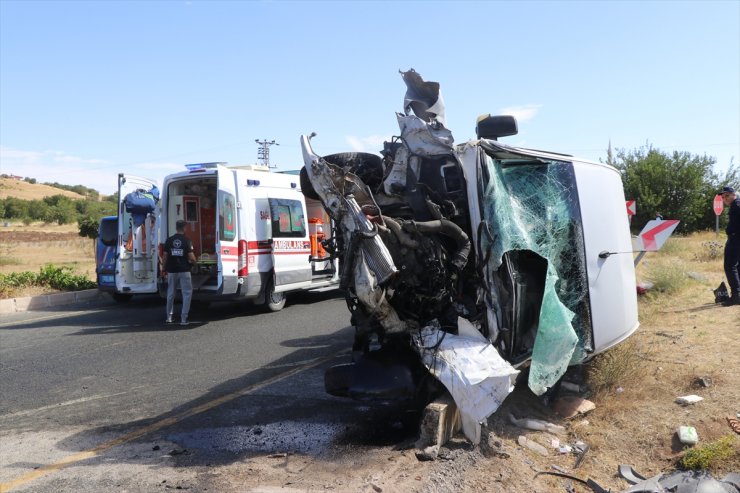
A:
(274, 301)
(121, 297)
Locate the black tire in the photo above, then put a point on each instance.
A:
(306, 186)
(273, 301)
(368, 167)
(122, 297)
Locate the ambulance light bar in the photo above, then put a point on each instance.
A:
(203, 166)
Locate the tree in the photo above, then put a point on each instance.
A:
(678, 185)
(38, 210)
(16, 208)
(88, 227)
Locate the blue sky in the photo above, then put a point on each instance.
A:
(90, 89)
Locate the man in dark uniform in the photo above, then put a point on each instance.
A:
(177, 260)
(732, 247)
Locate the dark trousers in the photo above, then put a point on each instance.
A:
(732, 263)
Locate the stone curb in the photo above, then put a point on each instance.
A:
(16, 305)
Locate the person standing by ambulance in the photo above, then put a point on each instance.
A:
(177, 260)
(732, 247)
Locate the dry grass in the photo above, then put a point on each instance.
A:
(28, 248)
(621, 366)
(27, 191)
(683, 336)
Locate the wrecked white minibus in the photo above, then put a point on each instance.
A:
(465, 262)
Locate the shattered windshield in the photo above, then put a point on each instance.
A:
(534, 250)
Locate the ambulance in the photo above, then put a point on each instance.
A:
(256, 237)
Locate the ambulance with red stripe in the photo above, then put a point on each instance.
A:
(256, 237)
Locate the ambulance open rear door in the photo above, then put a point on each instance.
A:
(291, 247)
(227, 230)
(137, 258)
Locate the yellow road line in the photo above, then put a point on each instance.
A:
(163, 423)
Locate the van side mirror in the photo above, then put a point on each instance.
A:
(493, 127)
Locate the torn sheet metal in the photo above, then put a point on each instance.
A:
(422, 97)
(471, 369)
(425, 139)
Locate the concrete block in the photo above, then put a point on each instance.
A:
(439, 423)
(87, 295)
(7, 306)
(62, 299)
(31, 303)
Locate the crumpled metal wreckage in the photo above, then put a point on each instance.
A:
(670, 482)
(461, 263)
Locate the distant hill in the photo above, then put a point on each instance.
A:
(32, 191)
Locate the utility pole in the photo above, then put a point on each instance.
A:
(263, 153)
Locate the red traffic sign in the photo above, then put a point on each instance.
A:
(719, 206)
(631, 208)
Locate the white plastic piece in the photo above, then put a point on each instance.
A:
(688, 435)
(689, 399)
(537, 424)
(476, 375)
(565, 449)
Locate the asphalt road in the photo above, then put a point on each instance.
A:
(91, 398)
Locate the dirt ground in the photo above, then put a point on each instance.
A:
(28, 248)
(684, 337)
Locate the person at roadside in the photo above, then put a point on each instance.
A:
(177, 260)
(732, 247)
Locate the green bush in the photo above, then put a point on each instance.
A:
(15, 280)
(59, 278)
(18, 279)
(707, 456)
